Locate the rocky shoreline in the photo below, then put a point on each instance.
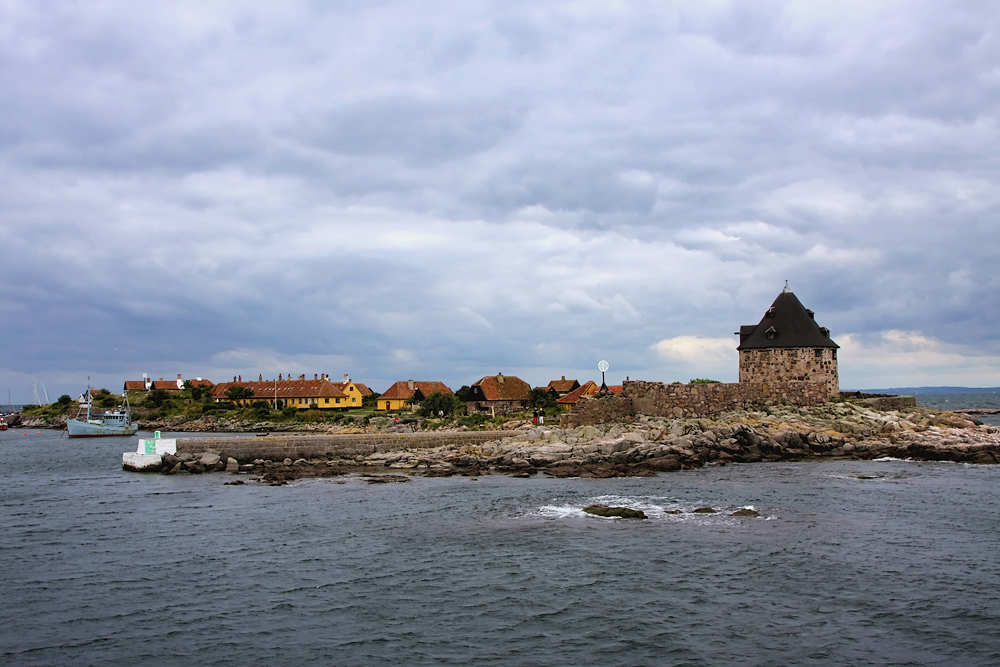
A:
(648, 446)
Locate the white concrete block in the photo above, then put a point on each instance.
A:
(141, 462)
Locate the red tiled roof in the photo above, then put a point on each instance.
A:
(563, 386)
(165, 385)
(201, 383)
(362, 389)
(401, 390)
(284, 388)
(504, 388)
(135, 385)
(589, 388)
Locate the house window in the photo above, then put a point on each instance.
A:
(354, 400)
(819, 352)
(336, 399)
(326, 400)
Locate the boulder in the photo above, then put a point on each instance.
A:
(232, 465)
(621, 512)
(209, 459)
(704, 510)
(746, 512)
(663, 463)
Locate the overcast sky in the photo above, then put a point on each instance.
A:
(441, 191)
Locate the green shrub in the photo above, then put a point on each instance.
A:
(703, 381)
(65, 399)
(438, 402)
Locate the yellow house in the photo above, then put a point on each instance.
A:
(403, 394)
(354, 392)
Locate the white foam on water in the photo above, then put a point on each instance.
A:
(559, 511)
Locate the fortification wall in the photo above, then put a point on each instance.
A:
(278, 448)
(691, 400)
(790, 364)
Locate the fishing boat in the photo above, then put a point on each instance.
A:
(114, 422)
(3, 423)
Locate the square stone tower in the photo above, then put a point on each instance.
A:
(788, 345)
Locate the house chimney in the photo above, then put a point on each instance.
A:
(409, 385)
(161, 379)
(499, 377)
(260, 377)
(234, 378)
(315, 376)
(241, 378)
(302, 376)
(564, 378)
(347, 378)
(178, 376)
(279, 377)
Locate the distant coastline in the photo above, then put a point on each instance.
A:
(911, 391)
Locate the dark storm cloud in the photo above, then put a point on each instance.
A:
(397, 189)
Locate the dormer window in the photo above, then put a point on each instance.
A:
(771, 333)
(812, 315)
(770, 312)
(825, 332)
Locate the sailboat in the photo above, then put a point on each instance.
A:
(115, 422)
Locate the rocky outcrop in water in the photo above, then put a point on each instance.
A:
(650, 446)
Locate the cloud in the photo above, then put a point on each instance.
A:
(700, 355)
(483, 186)
(910, 358)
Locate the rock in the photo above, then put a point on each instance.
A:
(746, 512)
(704, 510)
(983, 458)
(288, 462)
(209, 459)
(672, 512)
(232, 465)
(235, 483)
(621, 512)
(386, 479)
(663, 463)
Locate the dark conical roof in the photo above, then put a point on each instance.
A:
(787, 323)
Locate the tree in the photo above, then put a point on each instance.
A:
(464, 394)
(369, 402)
(65, 399)
(239, 393)
(156, 397)
(543, 398)
(438, 402)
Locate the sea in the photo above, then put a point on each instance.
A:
(882, 562)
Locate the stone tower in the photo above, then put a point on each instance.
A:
(788, 345)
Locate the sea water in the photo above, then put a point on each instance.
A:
(850, 562)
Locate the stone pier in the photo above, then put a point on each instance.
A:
(279, 447)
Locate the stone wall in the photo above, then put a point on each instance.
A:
(280, 447)
(496, 407)
(790, 364)
(690, 400)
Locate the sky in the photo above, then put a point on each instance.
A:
(448, 190)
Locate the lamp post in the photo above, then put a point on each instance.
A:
(603, 367)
